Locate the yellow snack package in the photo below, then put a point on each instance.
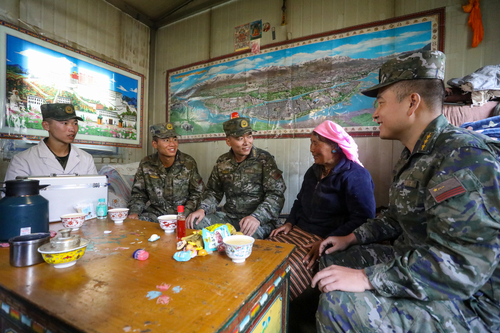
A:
(232, 230)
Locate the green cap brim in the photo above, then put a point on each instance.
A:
(63, 119)
(373, 91)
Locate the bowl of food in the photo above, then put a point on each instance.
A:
(63, 250)
(73, 221)
(238, 247)
(168, 222)
(118, 214)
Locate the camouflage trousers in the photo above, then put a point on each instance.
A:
(369, 312)
(220, 217)
(150, 217)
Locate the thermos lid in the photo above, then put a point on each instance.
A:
(22, 187)
(64, 241)
(30, 238)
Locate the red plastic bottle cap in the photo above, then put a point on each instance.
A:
(235, 115)
(180, 209)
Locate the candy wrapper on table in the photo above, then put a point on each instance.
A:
(191, 242)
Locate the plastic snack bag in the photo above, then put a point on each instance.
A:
(87, 208)
(213, 236)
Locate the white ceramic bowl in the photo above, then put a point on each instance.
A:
(168, 222)
(118, 214)
(73, 221)
(238, 247)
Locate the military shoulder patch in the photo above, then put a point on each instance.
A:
(276, 175)
(447, 189)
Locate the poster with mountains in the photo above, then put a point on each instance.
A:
(289, 89)
(106, 97)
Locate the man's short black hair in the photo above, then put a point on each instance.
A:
(431, 90)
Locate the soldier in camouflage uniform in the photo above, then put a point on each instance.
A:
(251, 181)
(166, 179)
(441, 274)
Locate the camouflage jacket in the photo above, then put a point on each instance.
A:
(444, 216)
(253, 187)
(165, 189)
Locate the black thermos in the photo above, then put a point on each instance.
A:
(23, 210)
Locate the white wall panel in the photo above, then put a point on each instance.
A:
(293, 158)
(92, 26)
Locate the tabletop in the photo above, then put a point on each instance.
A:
(110, 291)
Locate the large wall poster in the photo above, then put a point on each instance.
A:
(37, 70)
(290, 88)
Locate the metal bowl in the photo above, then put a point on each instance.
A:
(23, 249)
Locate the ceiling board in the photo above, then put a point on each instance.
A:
(158, 13)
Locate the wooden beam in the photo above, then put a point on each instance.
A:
(128, 9)
(176, 15)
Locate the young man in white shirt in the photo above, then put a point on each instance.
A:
(54, 154)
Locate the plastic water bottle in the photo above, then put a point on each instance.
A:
(102, 209)
(181, 223)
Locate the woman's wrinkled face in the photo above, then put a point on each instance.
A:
(321, 151)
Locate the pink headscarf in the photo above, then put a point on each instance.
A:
(336, 133)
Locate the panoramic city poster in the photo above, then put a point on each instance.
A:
(289, 89)
(38, 71)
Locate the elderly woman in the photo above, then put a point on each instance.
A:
(335, 198)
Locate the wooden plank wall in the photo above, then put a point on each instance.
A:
(93, 26)
(210, 34)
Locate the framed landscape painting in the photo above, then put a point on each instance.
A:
(36, 70)
(290, 88)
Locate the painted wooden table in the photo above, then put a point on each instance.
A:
(109, 291)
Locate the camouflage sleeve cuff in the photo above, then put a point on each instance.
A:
(257, 217)
(206, 208)
(358, 237)
(134, 210)
(369, 274)
(379, 280)
(389, 283)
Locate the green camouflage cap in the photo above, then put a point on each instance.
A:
(163, 130)
(59, 111)
(409, 66)
(237, 126)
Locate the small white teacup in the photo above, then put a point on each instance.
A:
(168, 222)
(73, 221)
(118, 214)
